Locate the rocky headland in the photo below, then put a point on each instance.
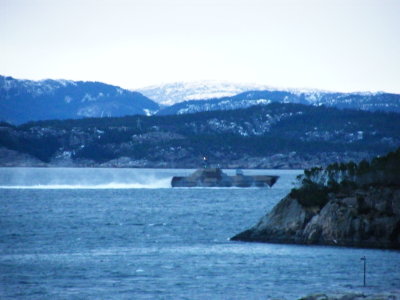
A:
(344, 205)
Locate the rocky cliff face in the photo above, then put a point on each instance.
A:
(362, 218)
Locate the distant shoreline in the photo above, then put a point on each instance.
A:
(126, 167)
(278, 161)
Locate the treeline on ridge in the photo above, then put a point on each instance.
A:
(256, 131)
(316, 183)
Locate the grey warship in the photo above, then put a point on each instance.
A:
(214, 177)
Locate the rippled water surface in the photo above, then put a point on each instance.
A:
(124, 234)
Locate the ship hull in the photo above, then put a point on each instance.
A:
(216, 178)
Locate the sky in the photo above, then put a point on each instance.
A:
(336, 45)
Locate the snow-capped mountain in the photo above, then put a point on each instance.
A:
(173, 93)
(26, 100)
(363, 101)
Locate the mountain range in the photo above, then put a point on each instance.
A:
(26, 100)
(359, 101)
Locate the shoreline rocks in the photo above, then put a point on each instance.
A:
(363, 218)
(353, 296)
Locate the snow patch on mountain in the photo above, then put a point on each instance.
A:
(172, 93)
(221, 105)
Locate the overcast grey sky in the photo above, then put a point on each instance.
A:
(342, 45)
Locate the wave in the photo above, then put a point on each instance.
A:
(164, 183)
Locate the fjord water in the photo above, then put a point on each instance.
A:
(125, 234)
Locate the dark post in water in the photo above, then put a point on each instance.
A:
(365, 268)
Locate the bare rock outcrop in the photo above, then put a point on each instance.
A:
(363, 218)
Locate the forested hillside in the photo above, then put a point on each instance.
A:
(275, 135)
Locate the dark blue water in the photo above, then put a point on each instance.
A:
(123, 234)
